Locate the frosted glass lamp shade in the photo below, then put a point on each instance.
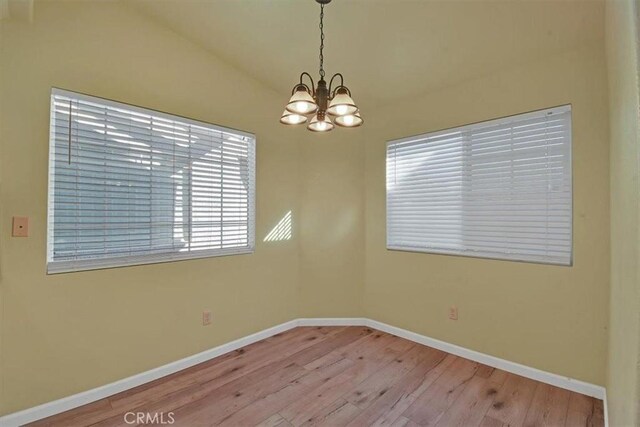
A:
(349, 120)
(317, 125)
(342, 104)
(302, 102)
(289, 118)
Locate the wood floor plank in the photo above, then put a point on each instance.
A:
(584, 411)
(370, 358)
(404, 422)
(401, 345)
(498, 376)
(335, 376)
(387, 408)
(353, 350)
(336, 341)
(549, 407)
(327, 329)
(249, 361)
(225, 401)
(261, 408)
(275, 420)
(492, 422)
(470, 407)
(338, 413)
(190, 404)
(512, 401)
(484, 371)
(433, 403)
(364, 393)
(598, 412)
(401, 422)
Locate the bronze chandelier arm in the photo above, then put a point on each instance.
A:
(341, 83)
(313, 86)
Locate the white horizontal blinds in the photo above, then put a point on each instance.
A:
(131, 186)
(498, 189)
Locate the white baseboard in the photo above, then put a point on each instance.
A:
(333, 321)
(606, 409)
(83, 398)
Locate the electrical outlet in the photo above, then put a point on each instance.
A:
(206, 318)
(453, 312)
(20, 226)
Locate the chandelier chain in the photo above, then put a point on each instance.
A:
(321, 41)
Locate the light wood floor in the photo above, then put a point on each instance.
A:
(336, 376)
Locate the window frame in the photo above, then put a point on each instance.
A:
(495, 121)
(67, 266)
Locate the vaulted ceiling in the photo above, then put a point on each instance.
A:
(386, 49)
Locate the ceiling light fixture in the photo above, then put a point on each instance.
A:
(321, 102)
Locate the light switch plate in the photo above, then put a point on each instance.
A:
(20, 226)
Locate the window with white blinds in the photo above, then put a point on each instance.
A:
(134, 186)
(497, 189)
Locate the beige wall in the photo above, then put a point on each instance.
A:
(552, 318)
(624, 335)
(67, 333)
(332, 223)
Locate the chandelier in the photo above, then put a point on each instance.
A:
(321, 103)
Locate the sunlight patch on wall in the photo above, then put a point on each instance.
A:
(282, 230)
